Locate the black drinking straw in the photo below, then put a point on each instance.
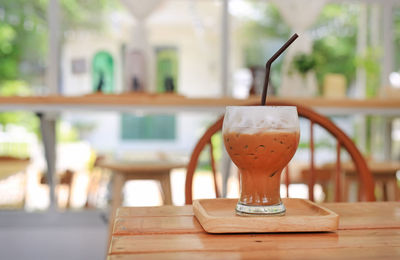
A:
(268, 66)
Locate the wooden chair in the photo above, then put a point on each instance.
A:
(65, 178)
(343, 141)
(9, 166)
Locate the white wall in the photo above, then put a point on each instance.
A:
(198, 71)
(105, 136)
(194, 29)
(191, 27)
(85, 45)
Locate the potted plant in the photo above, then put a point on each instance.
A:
(303, 63)
(302, 75)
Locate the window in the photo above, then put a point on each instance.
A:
(156, 127)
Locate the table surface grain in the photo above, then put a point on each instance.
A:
(367, 230)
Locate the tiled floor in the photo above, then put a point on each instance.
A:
(53, 243)
(53, 235)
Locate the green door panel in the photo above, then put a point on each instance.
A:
(167, 68)
(103, 72)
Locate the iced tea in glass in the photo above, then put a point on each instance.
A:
(260, 140)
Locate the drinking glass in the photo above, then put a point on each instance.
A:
(260, 140)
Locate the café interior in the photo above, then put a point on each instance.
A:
(120, 103)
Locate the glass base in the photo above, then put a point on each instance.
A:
(273, 210)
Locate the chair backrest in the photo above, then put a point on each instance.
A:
(343, 141)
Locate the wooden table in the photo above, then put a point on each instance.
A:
(384, 174)
(367, 230)
(152, 170)
(12, 165)
(124, 171)
(151, 102)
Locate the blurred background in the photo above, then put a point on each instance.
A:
(193, 48)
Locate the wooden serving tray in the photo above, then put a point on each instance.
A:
(218, 216)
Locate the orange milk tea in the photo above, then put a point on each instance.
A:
(261, 158)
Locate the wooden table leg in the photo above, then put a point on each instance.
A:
(346, 188)
(385, 190)
(118, 184)
(351, 183)
(165, 182)
(392, 189)
(396, 189)
(360, 190)
(116, 199)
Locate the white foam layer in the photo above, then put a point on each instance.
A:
(255, 119)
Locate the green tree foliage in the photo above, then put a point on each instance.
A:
(268, 25)
(335, 44)
(23, 44)
(22, 39)
(369, 61)
(396, 13)
(303, 63)
(27, 120)
(8, 55)
(334, 34)
(23, 32)
(261, 35)
(85, 14)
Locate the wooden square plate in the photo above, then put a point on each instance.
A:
(218, 216)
